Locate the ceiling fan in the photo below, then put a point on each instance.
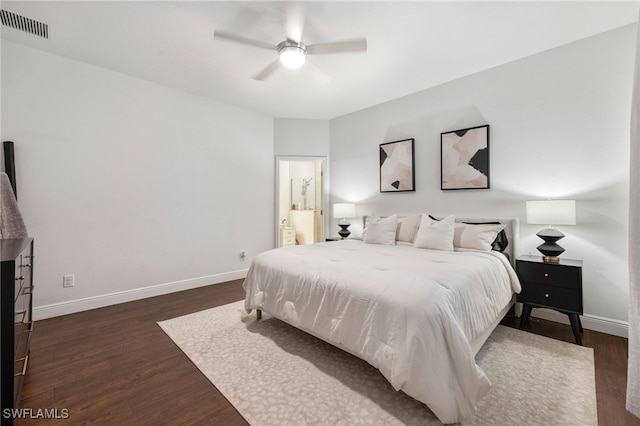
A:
(292, 52)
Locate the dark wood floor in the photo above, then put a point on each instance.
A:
(114, 365)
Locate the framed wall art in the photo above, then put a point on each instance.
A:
(397, 163)
(464, 158)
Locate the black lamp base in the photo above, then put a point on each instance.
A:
(344, 232)
(550, 250)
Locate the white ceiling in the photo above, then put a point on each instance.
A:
(411, 45)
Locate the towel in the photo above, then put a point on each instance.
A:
(11, 223)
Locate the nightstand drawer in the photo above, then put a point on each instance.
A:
(288, 233)
(554, 275)
(551, 296)
(289, 241)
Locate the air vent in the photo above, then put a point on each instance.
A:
(25, 24)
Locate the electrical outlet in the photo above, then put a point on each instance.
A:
(243, 255)
(68, 281)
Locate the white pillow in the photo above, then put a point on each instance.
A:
(407, 228)
(381, 231)
(367, 220)
(479, 237)
(435, 234)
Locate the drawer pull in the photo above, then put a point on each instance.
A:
(25, 360)
(21, 278)
(546, 275)
(546, 295)
(26, 265)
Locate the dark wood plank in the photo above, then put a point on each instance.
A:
(114, 365)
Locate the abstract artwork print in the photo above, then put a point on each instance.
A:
(396, 166)
(465, 158)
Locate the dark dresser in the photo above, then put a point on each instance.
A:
(555, 286)
(16, 321)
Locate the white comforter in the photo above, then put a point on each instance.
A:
(409, 312)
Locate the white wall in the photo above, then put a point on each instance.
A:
(135, 188)
(296, 137)
(559, 129)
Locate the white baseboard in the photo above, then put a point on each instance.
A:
(79, 305)
(590, 322)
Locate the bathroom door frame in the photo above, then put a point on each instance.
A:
(325, 190)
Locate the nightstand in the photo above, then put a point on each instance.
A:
(287, 236)
(555, 286)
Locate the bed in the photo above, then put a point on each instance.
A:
(413, 308)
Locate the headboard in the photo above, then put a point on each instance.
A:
(512, 230)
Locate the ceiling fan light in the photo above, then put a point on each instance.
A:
(292, 56)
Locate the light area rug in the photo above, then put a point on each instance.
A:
(275, 374)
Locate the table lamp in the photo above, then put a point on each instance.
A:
(551, 213)
(344, 211)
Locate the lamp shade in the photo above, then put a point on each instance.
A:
(551, 212)
(344, 210)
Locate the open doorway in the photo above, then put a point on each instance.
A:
(300, 200)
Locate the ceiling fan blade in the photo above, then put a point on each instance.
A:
(294, 24)
(268, 70)
(242, 40)
(359, 45)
